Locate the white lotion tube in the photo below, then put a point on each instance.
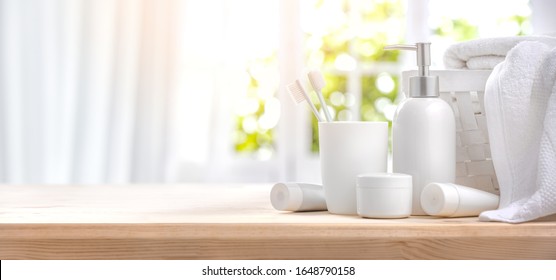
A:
(298, 197)
(451, 200)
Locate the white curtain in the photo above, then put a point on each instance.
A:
(88, 90)
(126, 91)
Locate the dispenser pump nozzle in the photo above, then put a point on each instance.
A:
(426, 86)
(423, 51)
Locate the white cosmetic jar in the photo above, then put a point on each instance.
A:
(384, 195)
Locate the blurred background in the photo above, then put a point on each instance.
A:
(143, 91)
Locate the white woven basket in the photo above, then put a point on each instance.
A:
(464, 90)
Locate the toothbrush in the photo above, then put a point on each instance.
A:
(298, 94)
(318, 83)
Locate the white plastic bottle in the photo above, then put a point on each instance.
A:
(424, 133)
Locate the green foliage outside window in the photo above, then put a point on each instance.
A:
(375, 101)
(248, 139)
(457, 29)
(522, 22)
(460, 29)
(258, 111)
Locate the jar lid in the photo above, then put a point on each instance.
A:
(384, 180)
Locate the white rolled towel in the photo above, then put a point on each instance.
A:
(486, 53)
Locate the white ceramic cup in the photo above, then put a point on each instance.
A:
(348, 149)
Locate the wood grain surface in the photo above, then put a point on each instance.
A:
(236, 222)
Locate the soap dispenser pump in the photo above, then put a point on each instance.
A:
(424, 133)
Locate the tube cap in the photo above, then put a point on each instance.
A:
(286, 196)
(440, 199)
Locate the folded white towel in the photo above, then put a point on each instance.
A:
(487, 52)
(520, 106)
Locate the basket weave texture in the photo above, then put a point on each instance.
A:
(464, 90)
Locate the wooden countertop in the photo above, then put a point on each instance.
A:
(236, 222)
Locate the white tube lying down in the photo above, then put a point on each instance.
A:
(451, 200)
(298, 197)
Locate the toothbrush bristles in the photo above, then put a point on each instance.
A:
(296, 91)
(318, 83)
(299, 95)
(317, 80)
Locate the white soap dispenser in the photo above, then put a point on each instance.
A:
(424, 133)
